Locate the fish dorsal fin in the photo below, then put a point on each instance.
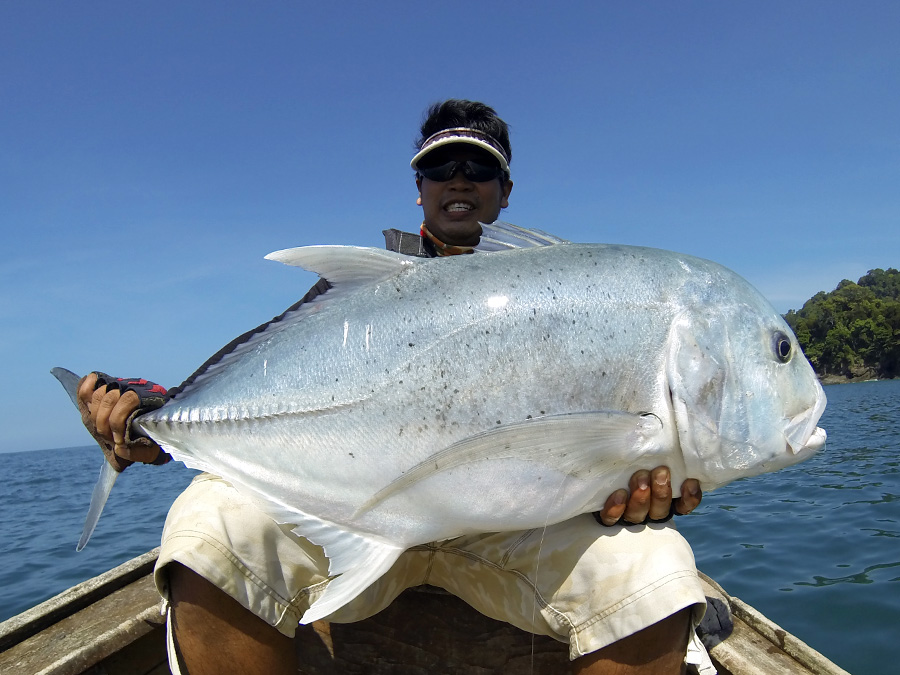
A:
(345, 266)
(501, 236)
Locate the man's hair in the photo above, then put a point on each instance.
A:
(456, 112)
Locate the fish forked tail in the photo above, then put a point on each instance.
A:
(108, 473)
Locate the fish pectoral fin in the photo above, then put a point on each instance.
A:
(575, 444)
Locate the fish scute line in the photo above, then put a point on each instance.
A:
(185, 417)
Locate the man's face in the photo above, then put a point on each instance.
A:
(453, 209)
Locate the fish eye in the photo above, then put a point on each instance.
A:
(782, 345)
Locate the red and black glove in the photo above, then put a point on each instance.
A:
(151, 396)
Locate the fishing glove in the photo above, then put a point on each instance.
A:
(151, 395)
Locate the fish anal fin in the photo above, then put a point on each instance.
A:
(575, 444)
(355, 559)
(369, 560)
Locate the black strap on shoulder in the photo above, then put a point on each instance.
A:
(408, 244)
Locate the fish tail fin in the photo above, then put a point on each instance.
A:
(108, 473)
(102, 488)
(69, 381)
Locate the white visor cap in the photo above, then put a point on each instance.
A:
(462, 135)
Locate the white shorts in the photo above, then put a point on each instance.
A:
(577, 581)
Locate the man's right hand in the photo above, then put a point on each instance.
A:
(107, 410)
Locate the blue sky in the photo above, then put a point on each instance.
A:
(152, 153)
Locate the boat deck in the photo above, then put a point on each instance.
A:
(111, 625)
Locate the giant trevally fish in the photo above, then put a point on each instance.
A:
(422, 399)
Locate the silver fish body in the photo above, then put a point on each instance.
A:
(419, 399)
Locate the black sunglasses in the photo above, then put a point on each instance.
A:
(473, 171)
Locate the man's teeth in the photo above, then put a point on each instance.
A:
(459, 207)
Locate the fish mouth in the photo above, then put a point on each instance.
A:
(801, 432)
(814, 443)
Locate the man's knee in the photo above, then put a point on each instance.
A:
(213, 633)
(657, 649)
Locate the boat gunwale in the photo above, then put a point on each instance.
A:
(32, 621)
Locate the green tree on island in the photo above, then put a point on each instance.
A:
(853, 331)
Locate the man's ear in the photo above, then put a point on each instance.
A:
(506, 188)
(419, 188)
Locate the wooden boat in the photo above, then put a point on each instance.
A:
(112, 625)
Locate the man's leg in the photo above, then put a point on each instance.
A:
(214, 634)
(238, 583)
(657, 650)
(611, 593)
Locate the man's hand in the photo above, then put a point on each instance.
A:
(649, 497)
(107, 410)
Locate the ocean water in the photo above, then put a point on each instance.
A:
(44, 496)
(815, 547)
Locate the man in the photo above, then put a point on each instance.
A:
(624, 598)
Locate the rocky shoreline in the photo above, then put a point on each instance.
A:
(843, 379)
